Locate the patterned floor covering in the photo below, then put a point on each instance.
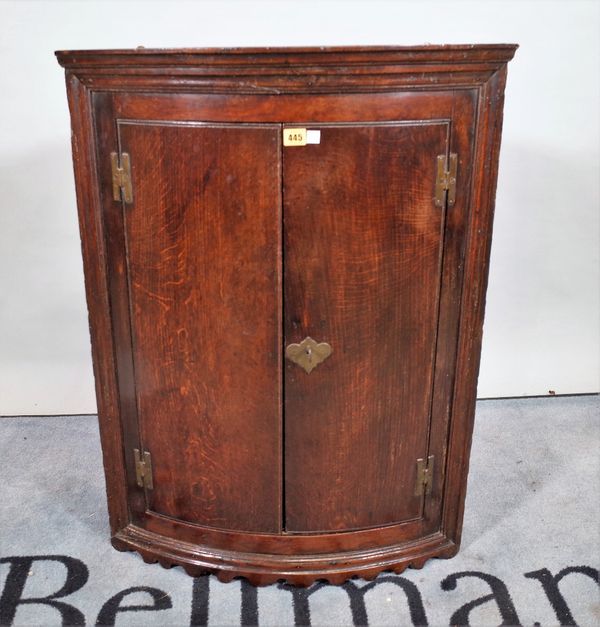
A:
(530, 552)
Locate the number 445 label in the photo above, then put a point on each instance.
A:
(300, 137)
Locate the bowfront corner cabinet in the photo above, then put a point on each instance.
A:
(286, 255)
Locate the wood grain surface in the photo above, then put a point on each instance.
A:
(202, 239)
(362, 242)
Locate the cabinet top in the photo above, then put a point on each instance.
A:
(287, 70)
(194, 56)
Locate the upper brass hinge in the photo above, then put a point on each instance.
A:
(424, 479)
(143, 469)
(445, 181)
(121, 177)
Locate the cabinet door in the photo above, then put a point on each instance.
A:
(363, 245)
(202, 241)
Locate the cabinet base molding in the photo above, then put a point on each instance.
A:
(262, 569)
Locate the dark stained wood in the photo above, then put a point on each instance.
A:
(118, 293)
(461, 141)
(336, 108)
(219, 503)
(288, 70)
(472, 308)
(202, 238)
(363, 251)
(267, 567)
(93, 247)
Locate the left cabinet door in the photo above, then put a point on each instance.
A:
(196, 309)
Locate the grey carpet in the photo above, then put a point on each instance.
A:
(530, 553)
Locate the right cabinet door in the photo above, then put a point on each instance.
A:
(363, 272)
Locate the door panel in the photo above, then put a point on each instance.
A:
(203, 249)
(363, 247)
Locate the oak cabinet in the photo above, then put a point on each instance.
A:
(286, 258)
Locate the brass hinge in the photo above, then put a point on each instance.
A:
(121, 177)
(445, 182)
(143, 469)
(424, 476)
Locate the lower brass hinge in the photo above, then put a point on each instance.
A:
(445, 182)
(143, 469)
(424, 479)
(121, 177)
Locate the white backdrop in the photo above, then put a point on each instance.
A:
(542, 320)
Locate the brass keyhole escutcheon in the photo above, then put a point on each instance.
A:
(308, 354)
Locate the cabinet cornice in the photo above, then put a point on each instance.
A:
(287, 70)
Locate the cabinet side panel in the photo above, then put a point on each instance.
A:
(202, 238)
(477, 256)
(85, 138)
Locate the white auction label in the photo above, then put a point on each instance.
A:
(313, 137)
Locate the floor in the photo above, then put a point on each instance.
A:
(530, 552)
